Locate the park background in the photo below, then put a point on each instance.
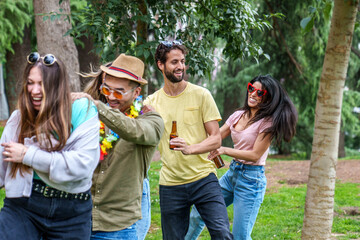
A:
(229, 43)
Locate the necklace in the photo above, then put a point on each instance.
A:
(135, 109)
(107, 141)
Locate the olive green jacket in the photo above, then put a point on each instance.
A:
(117, 180)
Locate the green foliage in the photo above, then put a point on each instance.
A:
(321, 8)
(198, 24)
(351, 119)
(296, 61)
(14, 16)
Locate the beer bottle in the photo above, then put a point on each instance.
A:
(218, 161)
(173, 134)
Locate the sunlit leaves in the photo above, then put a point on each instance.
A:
(112, 23)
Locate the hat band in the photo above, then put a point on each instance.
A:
(125, 71)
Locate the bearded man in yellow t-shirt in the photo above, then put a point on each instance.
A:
(187, 177)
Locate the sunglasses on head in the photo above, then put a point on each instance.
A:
(171, 43)
(47, 60)
(107, 91)
(252, 89)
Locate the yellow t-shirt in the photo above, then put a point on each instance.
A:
(190, 109)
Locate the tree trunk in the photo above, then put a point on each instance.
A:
(320, 190)
(87, 58)
(15, 65)
(50, 36)
(142, 35)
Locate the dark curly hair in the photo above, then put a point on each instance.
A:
(162, 51)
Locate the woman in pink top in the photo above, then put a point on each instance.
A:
(268, 114)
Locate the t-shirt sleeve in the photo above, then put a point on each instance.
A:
(231, 120)
(82, 110)
(209, 108)
(147, 100)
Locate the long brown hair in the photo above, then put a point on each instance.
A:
(54, 117)
(93, 86)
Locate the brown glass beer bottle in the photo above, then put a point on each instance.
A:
(173, 134)
(218, 161)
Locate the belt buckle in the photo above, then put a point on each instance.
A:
(45, 193)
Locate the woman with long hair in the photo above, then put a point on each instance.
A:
(49, 150)
(268, 114)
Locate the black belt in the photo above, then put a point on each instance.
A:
(49, 192)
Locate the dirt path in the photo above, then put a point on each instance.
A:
(296, 172)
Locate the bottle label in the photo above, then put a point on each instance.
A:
(218, 162)
(172, 146)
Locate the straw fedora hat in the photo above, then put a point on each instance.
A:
(128, 67)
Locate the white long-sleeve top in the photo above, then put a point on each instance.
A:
(69, 170)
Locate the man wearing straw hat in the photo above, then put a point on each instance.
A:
(129, 139)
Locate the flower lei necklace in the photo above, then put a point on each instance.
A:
(107, 141)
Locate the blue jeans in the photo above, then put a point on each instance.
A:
(125, 234)
(143, 225)
(39, 217)
(205, 194)
(244, 186)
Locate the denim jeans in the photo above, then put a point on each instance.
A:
(39, 217)
(125, 234)
(143, 225)
(244, 186)
(175, 203)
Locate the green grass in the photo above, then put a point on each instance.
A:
(1, 130)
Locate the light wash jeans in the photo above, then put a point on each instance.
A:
(125, 234)
(244, 186)
(143, 225)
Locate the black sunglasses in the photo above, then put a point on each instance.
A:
(171, 43)
(48, 59)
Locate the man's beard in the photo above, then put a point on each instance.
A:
(172, 77)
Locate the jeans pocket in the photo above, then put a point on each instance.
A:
(251, 176)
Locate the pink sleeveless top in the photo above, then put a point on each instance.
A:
(245, 139)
